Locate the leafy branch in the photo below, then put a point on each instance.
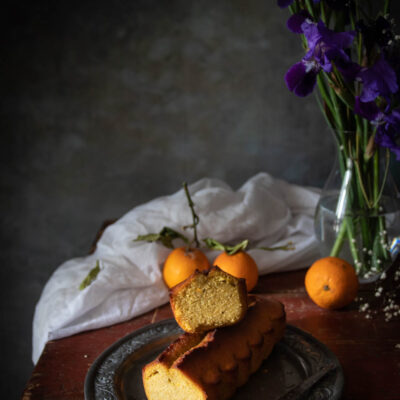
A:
(287, 247)
(165, 236)
(231, 250)
(242, 246)
(195, 217)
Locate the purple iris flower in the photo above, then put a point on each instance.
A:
(368, 110)
(378, 80)
(325, 46)
(287, 3)
(295, 21)
(388, 124)
(388, 133)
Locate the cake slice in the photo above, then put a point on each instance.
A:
(213, 365)
(208, 300)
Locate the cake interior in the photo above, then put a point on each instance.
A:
(210, 300)
(165, 382)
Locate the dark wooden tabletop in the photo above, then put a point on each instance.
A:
(368, 349)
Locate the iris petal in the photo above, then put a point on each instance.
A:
(368, 110)
(378, 80)
(299, 80)
(296, 20)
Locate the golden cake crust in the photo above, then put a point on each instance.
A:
(214, 364)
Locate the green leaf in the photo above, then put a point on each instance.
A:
(165, 236)
(238, 247)
(286, 247)
(215, 245)
(91, 276)
(151, 237)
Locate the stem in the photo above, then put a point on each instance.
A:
(310, 8)
(352, 243)
(361, 184)
(195, 217)
(324, 93)
(379, 195)
(345, 228)
(386, 7)
(337, 246)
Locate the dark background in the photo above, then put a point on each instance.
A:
(105, 105)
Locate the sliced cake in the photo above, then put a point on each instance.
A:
(208, 300)
(213, 365)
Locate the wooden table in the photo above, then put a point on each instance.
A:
(366, 348)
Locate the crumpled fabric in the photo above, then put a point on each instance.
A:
(267, 211)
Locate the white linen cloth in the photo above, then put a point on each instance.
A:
(267, 211)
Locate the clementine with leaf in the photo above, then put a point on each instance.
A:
(181, 263)
(331, 283)
(240, 265)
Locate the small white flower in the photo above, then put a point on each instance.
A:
(377, 294)
(383, 275)
(397, 346)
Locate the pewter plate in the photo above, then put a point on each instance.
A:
(299, 367)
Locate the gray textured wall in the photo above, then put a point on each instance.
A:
(105, 105)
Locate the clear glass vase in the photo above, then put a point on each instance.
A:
(358, 215)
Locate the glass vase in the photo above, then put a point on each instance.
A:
(358, 214)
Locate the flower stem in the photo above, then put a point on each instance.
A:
(386, 7)
(337, 246)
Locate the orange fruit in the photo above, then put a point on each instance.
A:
(181, 263)
(331, 283)
(240, 265)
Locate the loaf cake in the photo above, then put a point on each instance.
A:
(208, 300)
(214, 364)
